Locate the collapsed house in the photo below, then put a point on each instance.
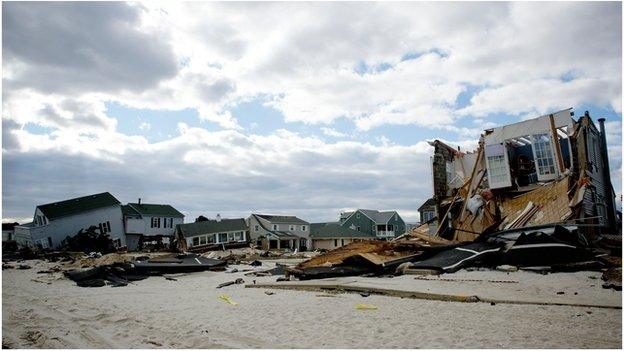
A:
(550, 169)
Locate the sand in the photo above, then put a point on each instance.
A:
(187, 313)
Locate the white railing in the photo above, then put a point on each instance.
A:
(385, 233)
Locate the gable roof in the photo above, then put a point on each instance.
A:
(279, 234)
(377, 216)
(151, 209)
(78, 205)
(281, 219)
(211, 226)
(430, 202)
(332, 230)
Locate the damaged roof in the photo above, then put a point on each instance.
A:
(212, 226)
(78, 205)
(332, 230)
(151, 209)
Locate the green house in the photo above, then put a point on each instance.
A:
(381, 224)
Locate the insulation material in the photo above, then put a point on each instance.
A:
(551, 198)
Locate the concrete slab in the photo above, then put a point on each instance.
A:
(569, 289)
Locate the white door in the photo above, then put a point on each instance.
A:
(544, 157)
(497, 164)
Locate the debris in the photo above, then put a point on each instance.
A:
(612, 278)
(269, 293)
(154, 343)
(227, 299)
(560, 292)
(91, 283)
(23, 266)
(170, 278)
(7, 266)
(41, 281)
(507, 268)
(255, 263)
(232, 271)
(492, 303)
(237, 281)
(363, 306)
(365, 294)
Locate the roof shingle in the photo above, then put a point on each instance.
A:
(78, 205)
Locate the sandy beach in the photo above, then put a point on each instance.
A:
(187, 313)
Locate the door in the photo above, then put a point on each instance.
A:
(544, 157)
(497, 164)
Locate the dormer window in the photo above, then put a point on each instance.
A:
(291, 227)
(275, 227)
(304, 228)
(256, 227)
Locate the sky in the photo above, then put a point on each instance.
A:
(306, 109)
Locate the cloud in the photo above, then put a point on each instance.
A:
(373, 64)
(72, 47)
(333, 133)
(300, 174)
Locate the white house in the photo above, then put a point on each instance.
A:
(211, 232)
(54, 222)
(144, 222)
(279, 232)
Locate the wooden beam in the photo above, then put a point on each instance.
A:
(555, 143)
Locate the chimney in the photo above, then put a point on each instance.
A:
(218, 217)
(611, 207)
(139, 201)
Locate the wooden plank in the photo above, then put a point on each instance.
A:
(556, 144)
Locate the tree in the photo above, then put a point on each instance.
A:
(201, 219)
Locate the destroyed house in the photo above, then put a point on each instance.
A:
(149, 222)
(213, 232)
(329, 236)
(549, 169)
(381, 224)
(54, 222)
(279, 232)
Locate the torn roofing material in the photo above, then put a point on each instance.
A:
(77, 205)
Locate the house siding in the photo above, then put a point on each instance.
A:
(365, 223)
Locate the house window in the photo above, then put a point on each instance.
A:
(223, 237)
(336, 242)
(153, 223)
(275, 227)
(544, 158)
(291, 227)
(210, 239)
(358, 229)
(373, 226)
(195, 241)
(202, 240)
(390, 227)
(304, 228)
(230, 236)
(239, 236)
(342, 242)
(357, 215)
(170, 222)
(256, 227)
(497, 169)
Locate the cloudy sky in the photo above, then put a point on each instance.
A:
(298, 108)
